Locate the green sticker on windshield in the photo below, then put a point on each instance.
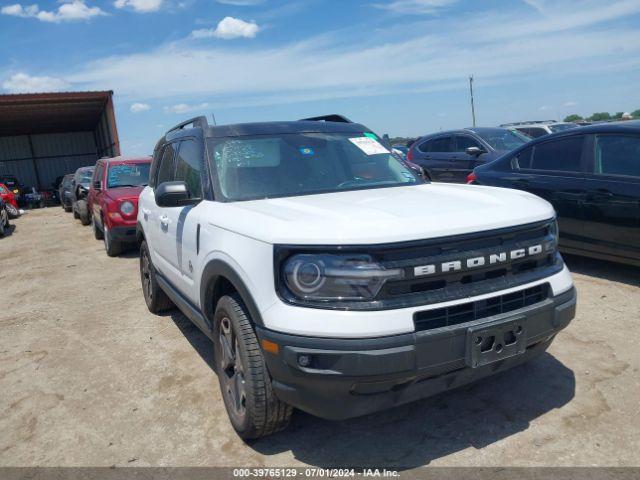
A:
(370, 135)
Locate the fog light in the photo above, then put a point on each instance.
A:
(304, 360)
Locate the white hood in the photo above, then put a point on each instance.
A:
(381, 215)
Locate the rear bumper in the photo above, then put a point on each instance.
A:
(352, 377)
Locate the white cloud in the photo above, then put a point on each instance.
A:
(182, 108)
(415, 7)
(229, 28)
(569, 104)
(544, 108)
(142, 6)
(73, 11)
(139, 107)
(23, 83)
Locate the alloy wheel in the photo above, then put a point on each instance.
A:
(231, 369)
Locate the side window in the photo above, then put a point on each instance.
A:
(188, 167)
(165, 170)
(562, 155)
(617, 155)
(522, 159)
(438, 145)
(97, 174)
(463, 142)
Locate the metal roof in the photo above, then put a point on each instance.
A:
(33, 113)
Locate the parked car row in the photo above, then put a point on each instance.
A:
(105, 196)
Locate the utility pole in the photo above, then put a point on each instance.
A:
(473, 109)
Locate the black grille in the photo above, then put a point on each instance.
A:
(468, 312)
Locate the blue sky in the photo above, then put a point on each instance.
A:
(398, 66)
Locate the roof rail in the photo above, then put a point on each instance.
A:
(333, 117)
(513, 124)
(197, 122)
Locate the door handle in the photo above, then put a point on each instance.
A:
(164, 220)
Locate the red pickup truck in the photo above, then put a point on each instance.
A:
(113, 200)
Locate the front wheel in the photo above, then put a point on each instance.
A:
(112, 246)
(4, 222)
(97, 233)
(83, 212)
(252, 406)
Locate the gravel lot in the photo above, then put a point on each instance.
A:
(88, 377)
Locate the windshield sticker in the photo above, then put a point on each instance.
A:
(306, 151)
(368, 145)
(371, 135)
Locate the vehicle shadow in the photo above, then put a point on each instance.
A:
(615, 272)
(414, 435)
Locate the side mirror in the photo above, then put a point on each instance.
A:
(96, 185)
(174, 194)
(475, 151)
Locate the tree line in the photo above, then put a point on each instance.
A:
(600, 116)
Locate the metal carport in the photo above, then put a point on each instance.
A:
(45, 135)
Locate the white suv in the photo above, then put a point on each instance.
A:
(540, 128)
(333, 279)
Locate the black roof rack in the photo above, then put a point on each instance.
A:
(333, 117)
(513, 124)
(197, 122)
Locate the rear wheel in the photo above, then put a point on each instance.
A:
(252, 406)
(4, 222)
(112, 246)
(154, 296)
(74, 208)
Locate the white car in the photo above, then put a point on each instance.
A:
(540, 128)
(333, 279)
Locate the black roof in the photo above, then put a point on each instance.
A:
(270, 128)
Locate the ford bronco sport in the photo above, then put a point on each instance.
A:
(291, 245)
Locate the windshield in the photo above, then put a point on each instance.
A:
(128, 175)
(501, 138)
(293, 164)
(83, 177)
(559, 127)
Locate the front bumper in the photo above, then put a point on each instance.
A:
(352, 377)
(123, 233)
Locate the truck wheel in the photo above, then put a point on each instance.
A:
(74, 208)
(97, 233)
(113, 247)
(154, 296)
(83, 212)
(252, 406)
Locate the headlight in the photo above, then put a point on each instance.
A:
(326, 277)
(127, 207)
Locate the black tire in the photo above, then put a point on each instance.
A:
(83, 212)
(112, 247)
(97, 233)
(74, 209)
(155, 298)
(4, 222)
(252, 406)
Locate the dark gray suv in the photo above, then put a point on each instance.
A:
(450, 156)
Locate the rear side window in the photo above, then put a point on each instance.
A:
(188, 167)
(617, 155)
(165, 169)
(536, 132)
(441, 145)
(562, 155)
(523, 159)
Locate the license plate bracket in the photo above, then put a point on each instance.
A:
(493, 342)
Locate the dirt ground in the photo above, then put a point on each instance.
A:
(88, 377)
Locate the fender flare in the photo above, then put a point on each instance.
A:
(215, 269)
